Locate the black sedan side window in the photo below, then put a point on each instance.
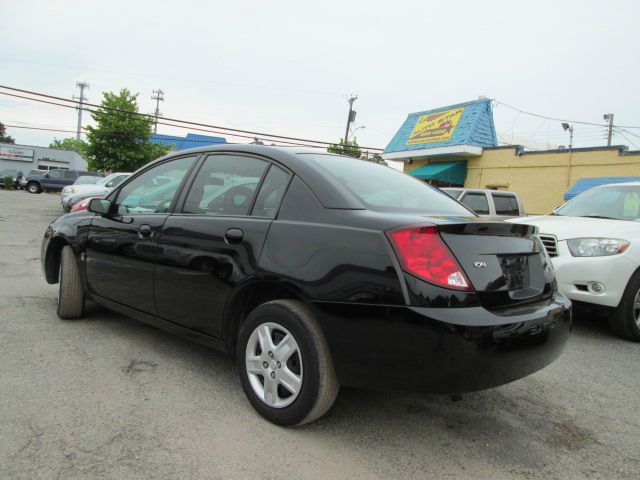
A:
(225, 185)
(271, 193)
(154, 190)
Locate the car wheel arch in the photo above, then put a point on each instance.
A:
(629, 279)
(621, 320)
(247, 298)
(53, 257)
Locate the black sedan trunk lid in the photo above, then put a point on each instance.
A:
(506, 263)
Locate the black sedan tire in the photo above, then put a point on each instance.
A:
(625, 319)
(285, 365)
(70, 294)
(33, 187)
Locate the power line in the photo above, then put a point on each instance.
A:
(239, 135)
(271, 137)
(39, 128)
(592, 134)
(165, 137)
(125, 113)
(631, 133)
(584, 129)
(604, 125)
(627, 139)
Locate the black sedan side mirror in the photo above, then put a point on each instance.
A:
(100, 206)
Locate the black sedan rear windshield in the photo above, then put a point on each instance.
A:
(382, 188)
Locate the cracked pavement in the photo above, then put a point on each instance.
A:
(106, 397)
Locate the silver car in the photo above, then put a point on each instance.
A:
(72, 194)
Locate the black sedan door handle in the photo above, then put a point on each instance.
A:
(144, 231)
(233, 235)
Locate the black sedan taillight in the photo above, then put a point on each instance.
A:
(422, 253)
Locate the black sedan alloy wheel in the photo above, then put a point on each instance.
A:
(285, 365)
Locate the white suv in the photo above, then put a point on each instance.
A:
(594, 243)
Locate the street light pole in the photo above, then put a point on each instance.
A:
(568, 127)
(353, 133)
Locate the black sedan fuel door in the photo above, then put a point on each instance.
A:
(121, 246)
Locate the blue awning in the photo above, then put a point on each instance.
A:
(453, 173)
(585, 184)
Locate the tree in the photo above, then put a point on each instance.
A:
(4, 138)
(120, 139)
(351, 148)
(375, 158)
(79, 146)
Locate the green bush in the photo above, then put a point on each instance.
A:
(8, 182)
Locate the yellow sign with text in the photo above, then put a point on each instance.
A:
(435, 127)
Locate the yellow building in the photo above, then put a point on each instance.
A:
(541, 178)
(457, 145)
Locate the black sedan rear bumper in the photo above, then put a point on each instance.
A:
(443, 350)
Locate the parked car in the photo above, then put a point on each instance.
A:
(83, 204)
(83, 180)
(72, 194)
(486, 202)
(15, 175)
(53, 180)
(315, 271)
(23, 181)
(86, 180)
(594, 243)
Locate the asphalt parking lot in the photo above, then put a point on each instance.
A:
(107, 397)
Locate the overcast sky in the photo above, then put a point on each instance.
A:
(287, 67)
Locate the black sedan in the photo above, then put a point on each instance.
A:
(315, 271)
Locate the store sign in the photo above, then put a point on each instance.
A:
(16, 153)
(435, 127)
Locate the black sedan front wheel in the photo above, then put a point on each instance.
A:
(285, 364)
(70, 294)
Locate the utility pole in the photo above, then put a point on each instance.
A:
(609, 116)
(81, 99)
(350, 118)
(158, 96)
